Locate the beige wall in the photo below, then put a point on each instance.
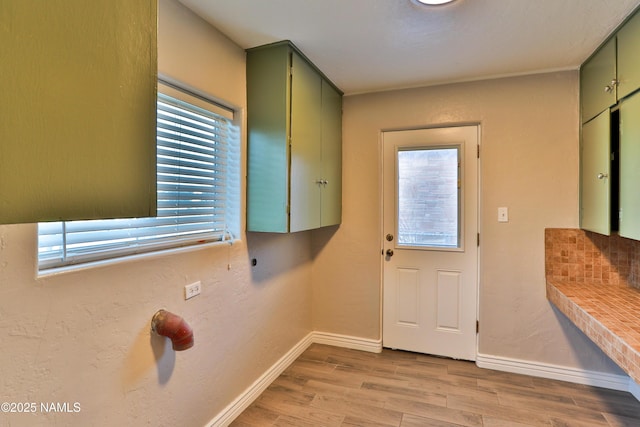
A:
(84, 336)
(529, 163)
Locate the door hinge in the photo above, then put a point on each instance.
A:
(477, 326)
(478, 146)
(478, 239)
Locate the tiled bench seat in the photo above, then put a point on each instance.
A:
(609, 315)
(595, 281)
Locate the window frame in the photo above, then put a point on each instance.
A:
(459, 247)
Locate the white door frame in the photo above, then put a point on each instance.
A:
(381, 210)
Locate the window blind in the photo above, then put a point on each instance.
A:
(197, 160)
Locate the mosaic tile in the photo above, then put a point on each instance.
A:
(595, 281)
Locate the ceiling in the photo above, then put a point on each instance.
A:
(374, 45)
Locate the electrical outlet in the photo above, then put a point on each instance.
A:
(192, 290)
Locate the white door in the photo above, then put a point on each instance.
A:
(430, 240)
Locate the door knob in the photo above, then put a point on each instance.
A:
(389, 252)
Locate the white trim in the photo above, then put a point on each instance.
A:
(242, 402)
(56, 271)
(555, 372)
(346, 341)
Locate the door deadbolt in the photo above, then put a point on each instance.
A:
(389, 237)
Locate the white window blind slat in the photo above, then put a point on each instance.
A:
(197, 156)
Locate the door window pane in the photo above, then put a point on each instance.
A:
(429, 197)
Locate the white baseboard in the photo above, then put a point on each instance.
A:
(554, 372)
(354, 343)
(243, 401)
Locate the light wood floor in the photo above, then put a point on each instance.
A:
(331, 386)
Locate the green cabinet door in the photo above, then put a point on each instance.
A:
(78, 111)
(630, 168)
(597, 92)
(331, 213)
(628, 57)
(268, 105)
(306, 148)
(595, 165)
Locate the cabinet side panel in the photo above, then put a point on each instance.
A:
(630, 168)
(306, 150)
(331, 155)
(267, 124)
(628, 58)
(595, 171)
(78, 117)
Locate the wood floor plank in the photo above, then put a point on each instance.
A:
(488, 421)
(434, 412)
(310, 416)
(332, 387)
(408, 392)
(354, 408)
(556, 411)
(624, 405)
(482, 407)
(351, 421)
(416, 421)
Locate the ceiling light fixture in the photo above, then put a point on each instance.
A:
(433, 2)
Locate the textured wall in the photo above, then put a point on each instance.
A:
(529, 163)
(84, 336)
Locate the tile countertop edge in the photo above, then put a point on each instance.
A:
(623, 349)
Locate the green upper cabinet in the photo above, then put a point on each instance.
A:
(294, 121)
(597, 81)
(630, 167)
(78, 117)
(628, 58)
(595, 172)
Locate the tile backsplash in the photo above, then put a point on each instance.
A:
(580, 256)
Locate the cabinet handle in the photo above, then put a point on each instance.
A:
(603, 175)
(609, 88)
(322, 181)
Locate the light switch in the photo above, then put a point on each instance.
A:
(503, 214)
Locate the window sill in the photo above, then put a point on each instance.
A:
(56, 271)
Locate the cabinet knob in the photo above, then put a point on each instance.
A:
(609, 88)
(603, 175)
